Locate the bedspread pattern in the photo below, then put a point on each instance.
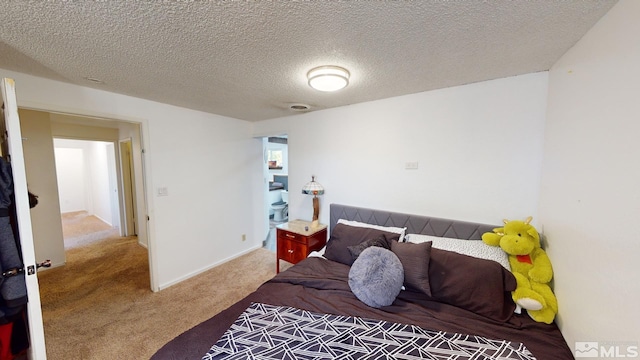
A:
(280, 332)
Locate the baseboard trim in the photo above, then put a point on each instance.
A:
(207, 268)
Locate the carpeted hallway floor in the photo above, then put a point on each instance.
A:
(79, 228)
(100, 306)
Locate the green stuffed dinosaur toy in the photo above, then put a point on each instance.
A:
(530, 265)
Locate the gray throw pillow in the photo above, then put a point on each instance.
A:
(415, 260)
(343, 236)
(376, 277)
(356, 250)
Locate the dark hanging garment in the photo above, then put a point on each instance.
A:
(13, 288)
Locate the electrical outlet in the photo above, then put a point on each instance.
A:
(162, 191)
(244, 237)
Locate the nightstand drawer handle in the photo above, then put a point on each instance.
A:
(290, 236)
(290, 251)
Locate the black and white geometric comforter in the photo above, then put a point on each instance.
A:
(279, 332)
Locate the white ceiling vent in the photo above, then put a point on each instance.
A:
(299, 107)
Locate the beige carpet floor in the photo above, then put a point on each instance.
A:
(100, 306)
(79, 229)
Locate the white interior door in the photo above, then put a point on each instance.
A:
(12, 151)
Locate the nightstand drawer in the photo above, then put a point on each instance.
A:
(286, 235)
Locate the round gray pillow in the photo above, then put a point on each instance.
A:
(376, 277)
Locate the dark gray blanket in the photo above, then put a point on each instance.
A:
(320, 286)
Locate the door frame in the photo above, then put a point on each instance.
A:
(144, 204)
(128, 197)
(263, 220)
(146, 201)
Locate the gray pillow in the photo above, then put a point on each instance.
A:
(376, 277)
(343, 236)
(415, 260)
(356, 250)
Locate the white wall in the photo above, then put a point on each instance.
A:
(112, 185)
(590, 194)
(97, 164)
(210, 205)
(71, 179)
(478, 148)
(41, 177)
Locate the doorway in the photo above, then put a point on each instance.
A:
(30, 136)
(40, 130)
(88, 191)
(276, 174)
(37, 132)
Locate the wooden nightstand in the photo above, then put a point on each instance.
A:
(296, 239)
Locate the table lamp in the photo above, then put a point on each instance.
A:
(314, 188)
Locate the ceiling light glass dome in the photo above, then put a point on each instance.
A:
(328, 78)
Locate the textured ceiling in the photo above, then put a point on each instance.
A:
(248, 60)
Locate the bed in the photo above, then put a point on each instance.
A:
(457, 306)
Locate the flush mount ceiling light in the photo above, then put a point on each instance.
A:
(328, 78)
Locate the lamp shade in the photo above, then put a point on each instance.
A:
(313, 187)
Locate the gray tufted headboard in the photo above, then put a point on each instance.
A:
(415, 224)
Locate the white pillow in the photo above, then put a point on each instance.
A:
(319, 253)
(391, 229)
(475, 248)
